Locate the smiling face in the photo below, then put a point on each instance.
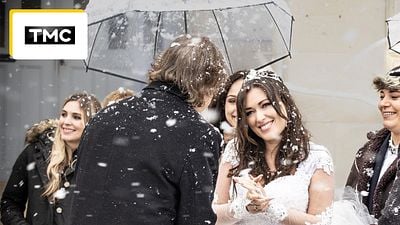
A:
(230, 103)
(71, 123)
(262, 118)
(389, 106)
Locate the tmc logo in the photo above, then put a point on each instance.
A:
(35, 35)
(48, 34)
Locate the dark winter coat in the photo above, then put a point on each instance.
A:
(26, 183)
(147, 160)
(390, 214)
(362, 171)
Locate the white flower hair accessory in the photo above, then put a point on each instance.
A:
(254, 74)
(251, 75)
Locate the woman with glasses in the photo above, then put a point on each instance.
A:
(39, 188)
(375, 165)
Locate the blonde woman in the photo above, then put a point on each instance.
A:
(41, 176)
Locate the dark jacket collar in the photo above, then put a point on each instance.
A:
(379, 158)
(167, 87)
(42, 154)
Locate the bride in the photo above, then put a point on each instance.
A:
(272, 173)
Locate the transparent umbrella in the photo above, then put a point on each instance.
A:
(126, 35)
(393, 29)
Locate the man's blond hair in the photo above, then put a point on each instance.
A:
(194, 64)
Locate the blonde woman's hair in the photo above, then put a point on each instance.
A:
(116, 96)
(61, 155)
(194, 64)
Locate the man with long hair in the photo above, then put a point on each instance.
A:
(153, 159)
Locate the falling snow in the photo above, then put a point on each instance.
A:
(30, 166)
(102, 164)
(140, 195)
(170, 122)
(135, 184)
(174, 44)
(60, 193)
(152, 117)
(369, 171)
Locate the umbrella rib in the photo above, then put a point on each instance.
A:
(278, 6)
(391, 45)
(185, 21)
(272, 62)
(157, 33)
(280, 32)
(291, 33)
(184, 9)
(388, 34)
(105, 19)
(117, 75)
(223, 40)
(91, 50)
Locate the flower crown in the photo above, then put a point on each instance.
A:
(254, 74)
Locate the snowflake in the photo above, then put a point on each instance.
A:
(369, 171)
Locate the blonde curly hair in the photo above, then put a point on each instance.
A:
(117, 95)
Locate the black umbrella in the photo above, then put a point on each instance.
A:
(393, 29)
(125, 36)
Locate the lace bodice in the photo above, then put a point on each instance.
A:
(292, 190)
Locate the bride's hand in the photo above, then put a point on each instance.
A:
(258, 205)
(252, 184)
(256, 194)
(258, 180)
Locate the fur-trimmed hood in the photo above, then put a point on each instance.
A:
(45, 127)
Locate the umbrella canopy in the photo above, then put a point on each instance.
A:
(126, 35)
(393, 26)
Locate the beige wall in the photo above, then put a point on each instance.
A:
(338, 47)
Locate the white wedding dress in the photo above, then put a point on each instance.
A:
(292, 191)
